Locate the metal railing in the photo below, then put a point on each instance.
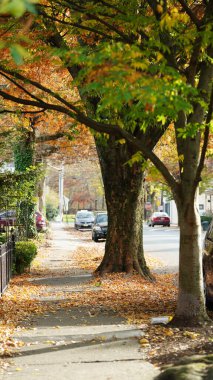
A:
(6, 261)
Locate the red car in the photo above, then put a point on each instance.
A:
(159, 219)
(8, 218)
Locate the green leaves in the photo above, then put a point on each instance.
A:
(135, 86)
(18, 53)
(17, 8)
(191, 130)
(20, 186)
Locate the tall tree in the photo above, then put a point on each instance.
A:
(113, 158)
(156, 69)
(23, 160)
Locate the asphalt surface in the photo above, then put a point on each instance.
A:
(162, 243)
(75, 343)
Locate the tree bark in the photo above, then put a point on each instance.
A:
(24, 158)
(191, 302)
(124, 198)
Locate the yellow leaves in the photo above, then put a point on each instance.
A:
(16, 305)
(167, 22)
(144, 342)
(159, 8)
(169, 333)
(50, 342)
(171, 18)
(20, 343)
(122, 141)
(103, 338)
(8, 345)
(140, 65)
(159, 56)
(191, 334)
(181, 157)
(98, 283)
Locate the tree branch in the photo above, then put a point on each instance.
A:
(190, 13)
(80, 26)
(78, 116)
(20, 112)
(205, 141)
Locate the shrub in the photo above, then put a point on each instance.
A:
(206, 218)
(3, 238)
(25, 252)
(51, 212)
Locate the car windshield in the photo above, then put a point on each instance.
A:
(85, 215)
(160, 214)
(102, 218)
(8, 214)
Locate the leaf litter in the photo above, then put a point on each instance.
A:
(131, 297)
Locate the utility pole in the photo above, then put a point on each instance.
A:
(61, 192)
(60, 189)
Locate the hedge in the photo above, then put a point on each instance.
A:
(25, 252)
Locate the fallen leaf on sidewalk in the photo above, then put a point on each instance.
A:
(129, 297)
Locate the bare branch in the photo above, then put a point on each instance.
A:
(80, 26)
(21, 112)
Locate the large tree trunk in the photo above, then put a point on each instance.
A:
(124, 198)
(191, 309)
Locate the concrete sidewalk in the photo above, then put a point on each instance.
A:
(76, 343)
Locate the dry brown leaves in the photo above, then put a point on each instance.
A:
(17, 305)
(139, 301)
(88, 258)
(132, 297)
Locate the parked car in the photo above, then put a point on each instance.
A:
(208, 264)
(84, 219)
(159, 219)
(7, 218)
(40, 222)
(99, 230)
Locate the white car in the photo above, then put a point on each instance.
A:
(84, 219)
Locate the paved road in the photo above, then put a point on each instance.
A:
(163, 243)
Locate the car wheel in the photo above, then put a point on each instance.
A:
(153, 225)
(95, 238)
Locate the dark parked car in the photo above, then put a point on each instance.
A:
(208, 264)
(159, 219)
(84, 219)
(40, 222)
(99, 230)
